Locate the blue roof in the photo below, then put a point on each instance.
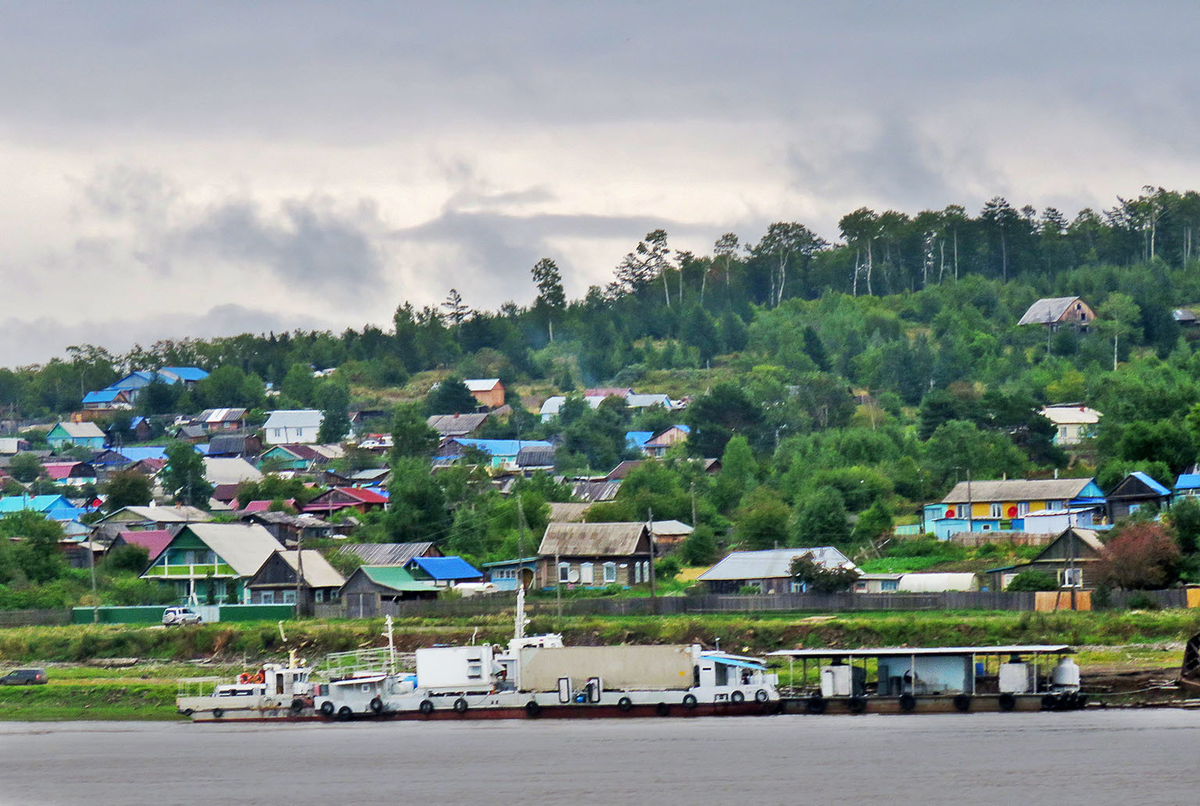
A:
(1188, 481)
(202, 448)
(136, 421)
(1149, 482)
(102, 396)
(36, 503)
(446, 568)
(186, 373)
(503, 447)
(687, 429)
(149, 452)
(134, 380)
(638, 438)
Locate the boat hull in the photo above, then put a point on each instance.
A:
(567, 711)
(944, 704)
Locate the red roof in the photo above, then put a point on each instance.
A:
(265, 506)
(153, 541)
(363, 494)
(60, 470)
(328, 500)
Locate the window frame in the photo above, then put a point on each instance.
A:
(609, 579)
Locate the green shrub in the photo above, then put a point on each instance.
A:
(1033, 581)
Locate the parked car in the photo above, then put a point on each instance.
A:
(24, 677)
(174, 616)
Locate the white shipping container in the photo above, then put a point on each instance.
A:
(454, 667)
(627, 668)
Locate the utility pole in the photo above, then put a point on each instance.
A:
(653, 592)
(299, 572)
(92, 566)
(558, 589)
(693, 505)
(970, 506)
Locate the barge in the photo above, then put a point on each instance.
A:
(898, 680)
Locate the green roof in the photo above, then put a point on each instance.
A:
(394, 577)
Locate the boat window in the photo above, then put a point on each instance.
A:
(722, 674)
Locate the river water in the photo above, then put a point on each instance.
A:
(1097, 757)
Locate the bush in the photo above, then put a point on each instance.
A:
(1142, 601)
(667, 568)
(1033, 581)
(750, 590)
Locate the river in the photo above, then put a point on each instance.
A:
(1096, 757)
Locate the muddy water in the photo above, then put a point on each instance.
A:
(1143, 757)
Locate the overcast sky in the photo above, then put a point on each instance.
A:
(175, 169)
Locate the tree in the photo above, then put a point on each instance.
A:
(333, 398)
(1185, 521)
(456, 309)
(780, 244)
(700, 547)
(715, 417)
(411, 434)
(127, 488)
(450, 397)
(36, 554)
(1033, 581)
(184, 476)
(1142, 557)
(25, 467)
(550, 290)
(817, 578)
(737, 473)
(821, 520)
(299, 385)
(417, 506)
(128, 559)
(874, 523)
(762, 519)
(1116, 317)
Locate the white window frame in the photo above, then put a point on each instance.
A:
(564, 573)
(1022, 509)
(587, 574)
(289, 597)
(1071, 577)
(997, 510)
(266, 597)
(610, 573)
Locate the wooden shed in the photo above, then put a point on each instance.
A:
(594, 555)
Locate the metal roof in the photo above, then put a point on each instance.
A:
(1071, 415)
(1188, 481)
(244, 547)
(317, 570)
(229, 470)
(386, 554)
(1149, 482)
(394, 577)
(164, 514)
(152, 540)
(455, 425)
(770, 564)
(446, 568)
(502, 447)
(80, 430)
(148, 452)
(592, 539)
(1016, 490)
(568, 511)
(481, 384)
(907, 651)
(294, 418)
(1046, 311)
(183, 373)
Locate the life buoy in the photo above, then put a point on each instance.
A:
(1007, 701)
(624, 704)
(962, 702)
(426, 707)
(245, 677)
(689, 701)
(532, 709)
(260, 678)
(377, 705)
(460, 706)
(907, 702)
(737, 698)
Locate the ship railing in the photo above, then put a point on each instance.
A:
(199, 686)
(360, 662)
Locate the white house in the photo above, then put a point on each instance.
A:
(1073, 422)
(292, 427)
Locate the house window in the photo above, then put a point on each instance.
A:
(1071, 577)
(610, 573)
(646, 571)
(861, 587)
(278, 432)
(289, 597)
(319, 595)
(564, 572)
(587, 576)
(637, 573)
(189, 558)
(266, 597)
(1054, 505)
(889, 585)
(1022, 509)
(220, 590)
(997, 510)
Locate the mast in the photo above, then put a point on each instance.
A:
(520, 620)
(391, 646)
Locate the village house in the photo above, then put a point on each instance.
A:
(501, 453)
(449, 426)
(107, 400)
(658, 445)
(487, 391)
(212, 563)
(53, 506)
(153, 518)
(1186, 486)
(669, 535)
(275, 581)
(443, 572)
(1054, 312)
(359, 499)
(154, 541)
(769, 571)
(371, 588)
(11, 446)
(1069, 558)
(79, 435)
(1073, 423)
(594, 555)
(504, 573)
(389, 554)
(292, 426)
(984, 506)
(287, 528)
(70, 474)
(216, 420)
(1135, 491)
(243, 444)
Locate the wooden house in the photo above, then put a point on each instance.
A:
(78, 435)
(594, 555)
(275, 581)
(389, 554)
(1001, 505)
(770, 571)
(1069, 558)
(213, 562)
(371, 588)
(1135, 491)
(288, 529)
(663, 441)
(360, 499)
(487, 391)
(1055, 312)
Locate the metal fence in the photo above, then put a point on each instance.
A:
(34, 618)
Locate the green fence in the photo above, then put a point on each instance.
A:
(257, 612)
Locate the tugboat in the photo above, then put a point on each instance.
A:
(272, 691)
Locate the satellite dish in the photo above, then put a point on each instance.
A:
(573, 577)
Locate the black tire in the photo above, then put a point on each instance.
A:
(188, 712)
(761, 695)
(962, 702)
(815, 705)
(857, 705)
(327, 708)
(690, 701)
(1007, 702)
(426, 707)
(297, 707)
(625, 705)
(1081, 701)
(376, 705)
(218, 713)
(460, 706)
(662, 709)
(345, 712)
(908, 703)
(1049, 702)
(532, 709)
(737, 698)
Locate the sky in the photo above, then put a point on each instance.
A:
(197, 169)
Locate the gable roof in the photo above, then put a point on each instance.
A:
(770, 564)
(1047, 311)
(592, 539)
(220, 416)
(636, 439)
(568, 511)
(1137, 476)
(294, 418)
(536, 456)
(594, 491)
(445, 569)
(163, 514)
(636, 401)
(318, 573)
(1086, 536)
(186, 374)
(393, 576)
(1071, 415)
(86, 430)
(103, 396)
(1016, 490)
(148, 452)
(152, 540)
(57, 471)
(502, 447)
(229, 470)
(455, 425)
(481, 384)
(36, 503)
(244, 547)
(381, 554)
(227, 443)
(1188, 481)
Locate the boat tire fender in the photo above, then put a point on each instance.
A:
(297, 706)
(624, 704)
(1049, 702)
(345, 712)
(737, 698)
(908, 703)
(460, 706)
(689, 701)
(327, 708)
(1007, 701)
(377, 705)
(962, 702)
(662, 709)
(188, 712)
(857, 705)
(815, 705)
(218, 713)
(426, 707)
(532, 709)
(761, 695)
